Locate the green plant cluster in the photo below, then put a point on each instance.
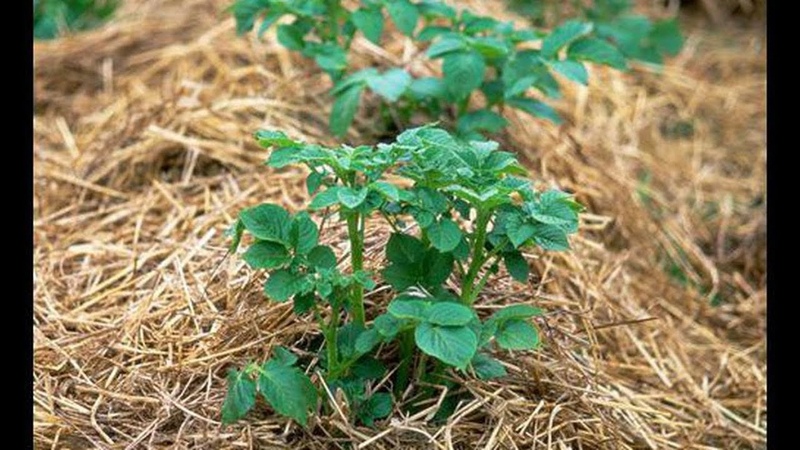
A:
(479, 54)
(460, 210)
(53, 17)
(635, 35)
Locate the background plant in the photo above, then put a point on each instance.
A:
(54, 17)
(635, 35)
(478, 53)
(473, 211)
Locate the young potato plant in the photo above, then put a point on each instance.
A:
(53, 17)
(636, 36)
(347, 182)
(473, 213)
(478, 53)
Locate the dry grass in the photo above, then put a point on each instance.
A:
(143, 156)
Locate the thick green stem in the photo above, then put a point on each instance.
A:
(356, 235)
(406, 355)
(468, 292)
(329, 330)
(463, 104)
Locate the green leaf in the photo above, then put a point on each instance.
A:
(387, 190)
(449, 314)
(404, 14)
(487, 367)
(517, 266)
(490, 47)
(573, 70)
(313, 182)
(563, 35)
(378, 406)
(387, 325)
(283, 156)
(344, 109)
(370, 22)
(436, 268)
(351, 197)
(266, 255)
(267, 222)
(283, 356)
(555, 208)
(322, 257)
(269, 19)
(357, 78)
(463, 73)
(346, 340)
(244, 11)
(444, 234)
(404, 307)
(481, 120)
(455, 346)
(598, 51)
(367, 340)
(303, 303)
(431, 32)
(550, 237)
(536, 109)
(404, 249)
(515, 312)
(432, 200)
(401, 276)
(435, 8)
(241, 396)
(426, 87)
(493, 90)
(368, 368)
(520, 233)
(326, 198)
(666, 36)
(446, 45)
(282, 284)
(520, 86)
(291, 37)
(268, 138)
(364, 278)
(235, 231)
(303, 234)
(517, 335)
(390, 84)
(329, 57)
(288, 390)
(486, 332)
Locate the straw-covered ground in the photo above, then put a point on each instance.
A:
(655, 330)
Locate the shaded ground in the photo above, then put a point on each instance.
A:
(656, 324)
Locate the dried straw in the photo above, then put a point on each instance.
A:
(143, 156)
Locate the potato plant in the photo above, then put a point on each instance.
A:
(466, 211)
(53, 17)
(635, 35)
(509, 67)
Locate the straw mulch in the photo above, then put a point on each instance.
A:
(655, 329)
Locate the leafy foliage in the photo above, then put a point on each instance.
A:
(475, 212)
(54, 17)
(634, 36)
(478, 53)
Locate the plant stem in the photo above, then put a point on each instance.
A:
(468, 283)
(404, 369)
(329, 331)
(462, 107)
(356, 235)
